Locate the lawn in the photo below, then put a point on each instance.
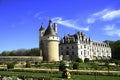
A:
(58, 76)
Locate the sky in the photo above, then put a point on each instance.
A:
(20, 20)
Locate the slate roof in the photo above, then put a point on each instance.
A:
(50, 31)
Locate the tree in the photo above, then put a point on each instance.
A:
(35, 52)
(76, 65)
(86, 60)
(115, 48)
(79, 60)
(5, 53)
(62, 66)
(117, 62)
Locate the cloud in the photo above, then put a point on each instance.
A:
(111, 15)
(111, 30)
(109, 27)
(69, 23)
(104, 15)
(39, 14)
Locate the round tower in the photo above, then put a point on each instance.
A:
(50, 44)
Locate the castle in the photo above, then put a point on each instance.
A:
(70, 46)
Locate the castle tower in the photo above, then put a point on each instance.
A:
(50, 44)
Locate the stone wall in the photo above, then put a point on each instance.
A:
(20, 58)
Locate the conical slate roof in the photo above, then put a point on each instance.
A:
(50, 31)
(41, 28)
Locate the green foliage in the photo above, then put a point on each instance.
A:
(86, 60)
(76, 65)
(22, 52)
(79, 60)
(62, 66)
(57, 76)
(117, 62)
(11, 65)
(115, 47)
(28, 65)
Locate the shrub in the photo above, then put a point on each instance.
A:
(10, 65)
(76, 65)
(28, 65)
(62, 66)
(86, 60)
(79, 60)
(117, 62)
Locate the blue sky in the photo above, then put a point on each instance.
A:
(20, 20)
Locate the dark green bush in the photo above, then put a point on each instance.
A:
(76, 65)
(62, 66)
(11, 65)
(86, 60)
(79, 60)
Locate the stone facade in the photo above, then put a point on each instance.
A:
(79, 46)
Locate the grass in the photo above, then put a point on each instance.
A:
(91, 77)
(58, 75)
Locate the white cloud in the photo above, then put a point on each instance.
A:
(90, 20)
(39, 14)
(111, 15)
(111, 30)
(69, 23)
(104, 15)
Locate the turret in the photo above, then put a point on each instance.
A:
(42, 31)
(50, 43)
(41, 34)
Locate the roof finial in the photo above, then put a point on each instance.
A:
(50, 22)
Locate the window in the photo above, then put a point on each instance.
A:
(88, 47)
(72, 53)
(67, 53)
(72, 47)
(61, 53)
(84, 46)
(88, 53)
(106, 51)
(61, 48)
(67, 47)
(81, 52)
(81, 46)
(84, 52)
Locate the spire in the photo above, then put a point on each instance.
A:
(41, 28)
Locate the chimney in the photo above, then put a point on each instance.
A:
(55, 27)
